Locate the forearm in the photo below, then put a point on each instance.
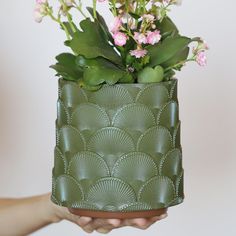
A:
(24, 216)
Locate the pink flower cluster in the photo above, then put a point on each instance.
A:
(69, 3)
(120, 38)
(201, 57)
(151, 37)
(40, 10)
(138, 53)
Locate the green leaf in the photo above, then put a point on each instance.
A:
(67, 68)
(102, 23)
(127, 78)
(66, 73)
(181, 56)
(135, 16)
(89, 87)
(91, 43)
(98, 71)
(167, 26)
(169, 74)
(167, 49)
(67, 59)
(68, 27)
(150, 75)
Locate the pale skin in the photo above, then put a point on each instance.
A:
(25, 215)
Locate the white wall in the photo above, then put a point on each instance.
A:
(28, 93)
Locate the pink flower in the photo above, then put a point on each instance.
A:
(120, 38)
(203, 45)
(101, 0)
(153, 37)
(116, 25)
(38, 17)
(201, 58)
(41, 1)
(69, 3)
(148, 17)
(138, 53)
(40, 10)
(140, 38)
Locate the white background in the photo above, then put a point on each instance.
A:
(28, 93)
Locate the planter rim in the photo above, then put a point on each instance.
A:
(130, 84)
(145, 84)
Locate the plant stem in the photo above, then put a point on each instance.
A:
(80, 10)
(179, 64)
(71, 22)
(65, 29)
(49, 11)
(128, 32)
(94, 9)
(114, 7)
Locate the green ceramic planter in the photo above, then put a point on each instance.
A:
(118, 150)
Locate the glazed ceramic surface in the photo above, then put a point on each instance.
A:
(118, 149)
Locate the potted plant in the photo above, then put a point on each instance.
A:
(118, 146)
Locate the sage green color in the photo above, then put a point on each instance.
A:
(118, 149)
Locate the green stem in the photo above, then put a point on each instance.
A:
(179, 64)
(71, 22)
(49, 11)
(80, 10)
(128, 32)
(65, 29)
(95, 9)
(113, 3)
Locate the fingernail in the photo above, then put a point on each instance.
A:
(88, 229)
(103, 231)
(163, 216)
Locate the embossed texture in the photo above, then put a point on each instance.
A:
(118, 149)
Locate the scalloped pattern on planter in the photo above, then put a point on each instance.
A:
(118, 148)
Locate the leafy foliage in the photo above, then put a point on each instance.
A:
(92, 43)
(151, 75)
(145, 47)
(167, 49)
(67, 68)
(98, 71)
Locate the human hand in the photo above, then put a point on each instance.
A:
(100, 225)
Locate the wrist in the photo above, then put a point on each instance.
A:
(52, 211)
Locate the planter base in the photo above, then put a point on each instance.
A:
(118, 215)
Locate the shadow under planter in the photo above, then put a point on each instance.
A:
(118, 151)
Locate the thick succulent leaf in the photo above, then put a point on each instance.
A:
(91, 44)
(67, 68)
(99, 70)
(167, 26)
(127, 78)
(89, 87)
(167, 49)
(68, 27)
(150, 75)
(67, 59)
(102, 23)
(102, 71)
(181, 56)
